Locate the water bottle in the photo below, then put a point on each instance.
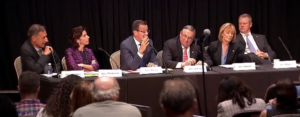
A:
(49, 69)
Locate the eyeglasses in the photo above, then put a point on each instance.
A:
(148, 31)
(188, 38)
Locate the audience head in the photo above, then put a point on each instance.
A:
(227, 33)
(29, 83)
(233, 88)
(105, 88)
(7, 108)
(245, 23)
(59, 103)
(79, 37)
(140, 29)
(187, 35)
(81, 95)
(178, 97)
(37, 35)
(286, 94)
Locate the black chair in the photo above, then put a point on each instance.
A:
(271, 91)
(248, 113)
(288, 115)
(145, 110)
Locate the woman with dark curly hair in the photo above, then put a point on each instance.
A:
(235, 96)
(59, 103)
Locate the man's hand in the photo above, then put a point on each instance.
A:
(261, 54)
(151, 64)
(199, 63)
(190, 61)
(144, 44)
(48, 50)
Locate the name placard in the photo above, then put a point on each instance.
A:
(244, 66)
(151, 70)
(285, 64)
(195, 68)
(73, 72)
(110, 73)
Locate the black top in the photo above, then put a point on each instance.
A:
(82, 53)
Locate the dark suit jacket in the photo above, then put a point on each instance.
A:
(73, 58)
(234, 55)
(31, 61)
(130, 60)
(172, 53)
(261, 43)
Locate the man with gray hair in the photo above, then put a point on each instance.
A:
(105, 91)
(35, 55)
(179, 51)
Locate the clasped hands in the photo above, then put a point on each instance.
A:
(191, 61)
(261, 54)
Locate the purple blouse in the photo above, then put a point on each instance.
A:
(73, 58)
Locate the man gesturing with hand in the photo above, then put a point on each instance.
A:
(136, 51)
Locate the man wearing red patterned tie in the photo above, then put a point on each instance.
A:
(179, 51)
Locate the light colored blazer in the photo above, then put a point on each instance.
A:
(107, 109)
(228, 109)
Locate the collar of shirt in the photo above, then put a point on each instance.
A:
(244, 35)
(136, 42)
(188, 51)
(29, 101)
(37, 49)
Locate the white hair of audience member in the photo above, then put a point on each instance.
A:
(106, 94)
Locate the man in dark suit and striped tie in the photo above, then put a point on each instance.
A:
(256, 46)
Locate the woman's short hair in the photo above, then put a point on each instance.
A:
(286, 94)
(227, 27)
(76, 34)
(81, 95)
(233, 88)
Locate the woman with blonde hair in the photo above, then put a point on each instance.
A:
(225, 50)
(81, 96)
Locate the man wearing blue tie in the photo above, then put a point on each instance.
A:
(256, 46)
(137, 50)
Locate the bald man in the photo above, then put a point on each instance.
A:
(105, 91)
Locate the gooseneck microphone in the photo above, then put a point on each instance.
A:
(166, 69)
(109, 56)
(285, 48)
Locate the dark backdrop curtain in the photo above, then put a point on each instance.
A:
(109, 22)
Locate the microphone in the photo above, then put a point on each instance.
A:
(285, 48)
(203, 37)
(166, 69)
(109, 56)
(54, 61)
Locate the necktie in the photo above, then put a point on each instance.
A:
(40, 52)
(185, 56)
(250, 45)
(142, 64)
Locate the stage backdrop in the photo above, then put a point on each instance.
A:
(109, 22)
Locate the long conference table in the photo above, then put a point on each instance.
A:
(145, 89)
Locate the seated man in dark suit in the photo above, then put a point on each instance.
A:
(137, 50)
(256, 46)
(178, 52)
(35, 55)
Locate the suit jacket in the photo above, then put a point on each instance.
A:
(73, 58)
(107, 109)
(261, 43)
(172, 53)
(31, 61)
(130, 60)
(228, 109)
(234, 55)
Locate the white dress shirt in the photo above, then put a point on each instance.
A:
(138, 47)
(250, 37)
(188, 54)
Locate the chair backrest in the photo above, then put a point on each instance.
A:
(248, 113)
(64, 64)
(145, 110)
(270, 93)
(116, 57)
(159, 57)
(18, 66)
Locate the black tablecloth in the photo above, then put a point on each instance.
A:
(145, 89)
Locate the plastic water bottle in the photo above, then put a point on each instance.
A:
(49, 69)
